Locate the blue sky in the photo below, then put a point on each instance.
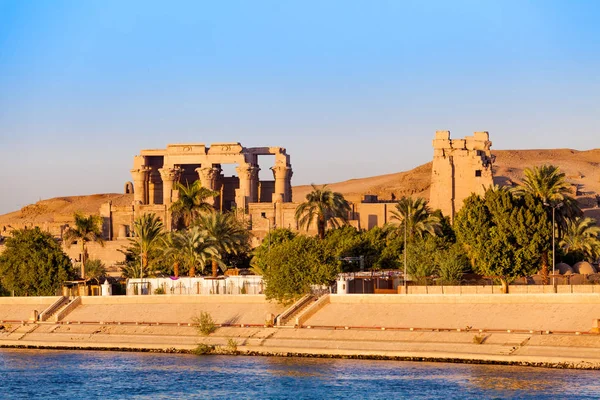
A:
(350, 88)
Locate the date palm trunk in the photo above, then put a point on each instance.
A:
(321, 227)
(215, 267)
(545, 273)
(504, 284)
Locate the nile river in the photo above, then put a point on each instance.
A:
(29, 374)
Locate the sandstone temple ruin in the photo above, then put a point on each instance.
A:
(155, 174)
(460, 167)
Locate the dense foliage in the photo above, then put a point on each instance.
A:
(292, 266)
(504, 236)
(215, 238)
(33, 264)
(581, 241)
(228, 235)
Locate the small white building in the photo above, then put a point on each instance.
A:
(240, 284)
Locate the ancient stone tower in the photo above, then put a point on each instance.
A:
(460, 167)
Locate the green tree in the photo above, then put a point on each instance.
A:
(503, 236)
(581, 240)
(191, 203)
(228, 234)
(195, 248)
(452, 264)
(259, 255)
(148, 232)
(389, 242)
(548, 184)
(416, 216)
(33, 264)
(296, 264)
(94, 270)
(422, 260)
(86, 229)
(325, 207)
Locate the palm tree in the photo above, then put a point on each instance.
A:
(325, 207)
(545, 182)
(94, 270)
(548, 184)
(195, 248)
(415, 216)
(171, 254)
(86, 229)
(148, 233)
(191, 202)
(582, 236)
(227, 233)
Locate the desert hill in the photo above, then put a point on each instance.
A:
(582, 169)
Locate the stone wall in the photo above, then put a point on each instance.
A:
(109, 254)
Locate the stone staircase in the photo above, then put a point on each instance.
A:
(288, 317)
(290, 321)
(65, 309)
(53, 309)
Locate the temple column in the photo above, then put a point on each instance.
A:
(208, 179)
(154, 185)
(281, 173)
(243, 193)
(169, 176)
(140, 177)
(254, 170)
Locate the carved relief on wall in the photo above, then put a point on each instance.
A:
(225, 148)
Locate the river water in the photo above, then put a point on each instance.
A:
(31, 374)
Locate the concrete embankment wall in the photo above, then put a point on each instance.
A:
(232, 309)
(556, 312)
(492, 289)
(21, 308)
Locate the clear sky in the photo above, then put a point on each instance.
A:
(350, 88)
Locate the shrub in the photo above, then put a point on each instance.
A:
(232, 345)
(159, 290)
(205, 322)
(203, 349)
(479, 339)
